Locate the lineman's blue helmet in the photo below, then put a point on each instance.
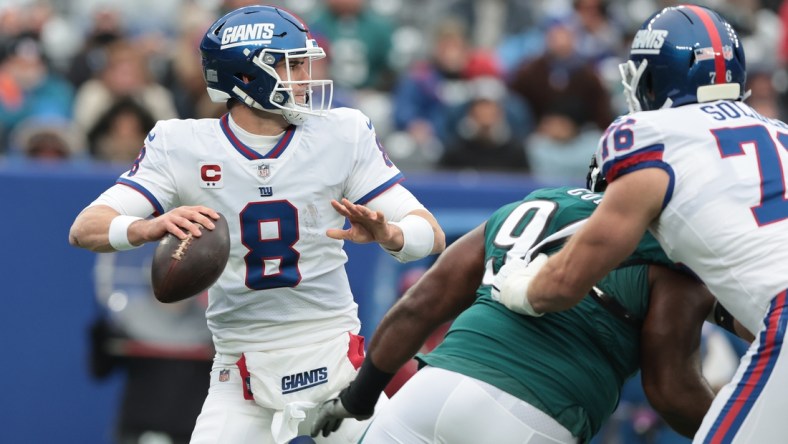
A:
(683, 54)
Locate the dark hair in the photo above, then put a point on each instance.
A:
(122, 106)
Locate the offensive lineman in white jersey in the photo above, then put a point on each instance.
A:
(286, 171)
(705, 174)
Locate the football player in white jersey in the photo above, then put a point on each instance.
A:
(286, 171)
(705, 173)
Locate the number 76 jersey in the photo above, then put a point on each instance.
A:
(285, 284)
(725, 213)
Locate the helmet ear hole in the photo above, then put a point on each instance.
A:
(245, 78)
(648, 82)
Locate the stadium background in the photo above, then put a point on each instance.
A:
(49, 295)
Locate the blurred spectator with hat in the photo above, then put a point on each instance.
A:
(49, 138)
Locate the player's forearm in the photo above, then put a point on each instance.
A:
(588, 256)
(553, 289)
(684, 405)
(398, 338)
(90, 229)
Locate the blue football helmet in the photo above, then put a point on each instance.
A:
(240, 53)
(683, 54)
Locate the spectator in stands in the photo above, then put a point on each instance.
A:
(433, 86)
(559, 74)
(484, 137)
(598, 36)
(570, 104)
(360, 43)
(489, 22)
(764, 97)
(558, 149)
(106, 28)
(48, 138)
(28, 87)
(118, 134)
(184, 76)
(125, 75)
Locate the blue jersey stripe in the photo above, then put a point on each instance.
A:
(283, 143)
(379, 190)
(250, 153)
(755, 377)
(235, 142)
(158, 210)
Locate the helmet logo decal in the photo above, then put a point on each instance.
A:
(708, 53)
(727, 52)
(648, 41)
(255, 33)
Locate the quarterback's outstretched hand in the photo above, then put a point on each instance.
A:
(365, 226)
(331, 413)
(510, 285)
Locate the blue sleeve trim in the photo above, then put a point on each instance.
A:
(655, 164)
(158, 210)
(380, 189)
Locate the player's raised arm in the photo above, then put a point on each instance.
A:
(609, 236)
(396, 220)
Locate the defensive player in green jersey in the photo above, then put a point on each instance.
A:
(501, 377)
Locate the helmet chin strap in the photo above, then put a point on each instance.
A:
(291, 116)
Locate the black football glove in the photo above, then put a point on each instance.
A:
(331, 413)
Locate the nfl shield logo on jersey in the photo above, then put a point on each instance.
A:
(224, 375)
(264, 170)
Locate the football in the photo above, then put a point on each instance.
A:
(184, 268)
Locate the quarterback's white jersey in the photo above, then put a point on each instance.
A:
(725, 214)
(282, 267)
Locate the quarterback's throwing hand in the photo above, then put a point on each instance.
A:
(330, 415)
(365, 225)
(510, 285)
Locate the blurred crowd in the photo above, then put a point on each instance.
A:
(518, 86)
(488, 85)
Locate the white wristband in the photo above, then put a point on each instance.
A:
(418, 238)
(119, 232)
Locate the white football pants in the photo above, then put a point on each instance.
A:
(752, 407)
(440, 406)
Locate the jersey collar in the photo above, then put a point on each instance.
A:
(249, 152)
